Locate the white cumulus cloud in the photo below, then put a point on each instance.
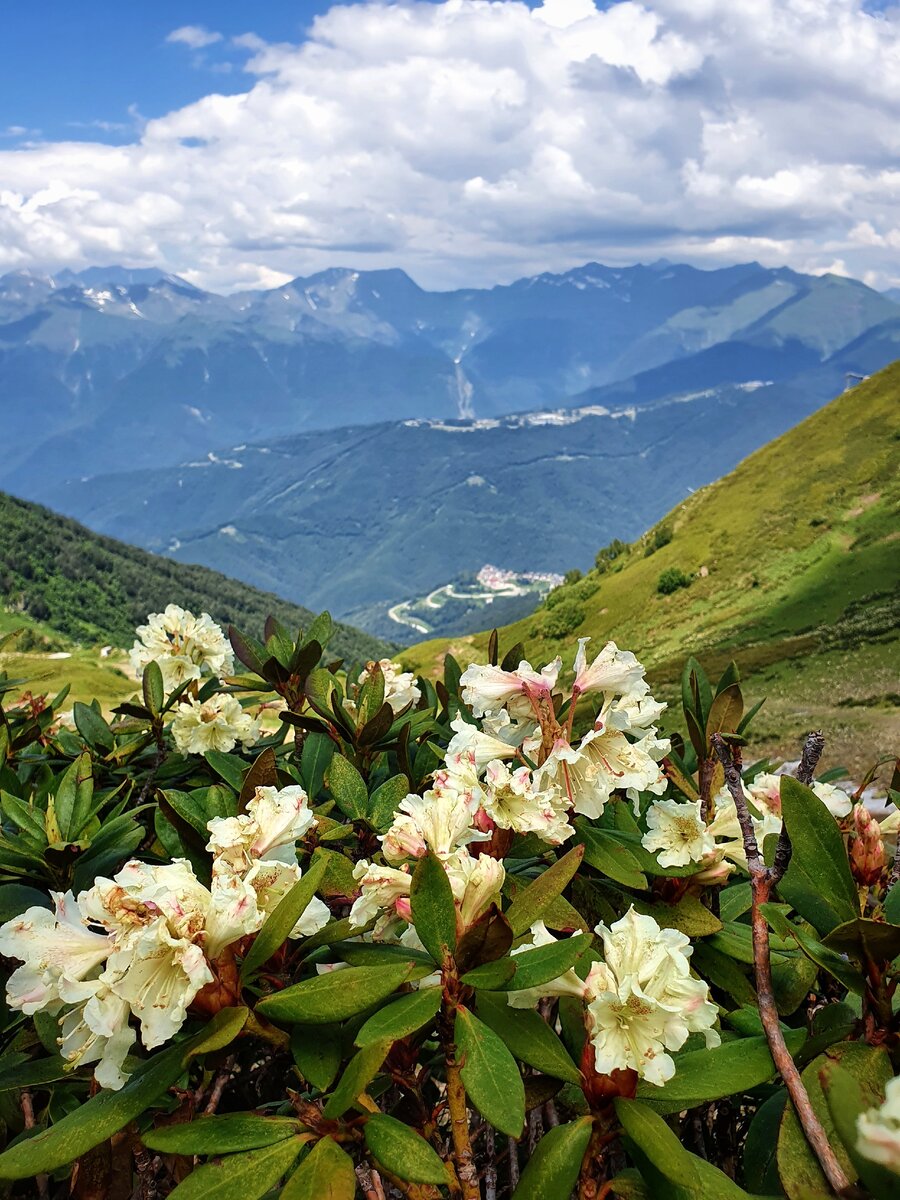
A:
(470, 141)
(195, 36)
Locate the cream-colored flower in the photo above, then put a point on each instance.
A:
(54, 947)
(605, 761)
(272, 880)
(678, 832)
(513, 801)
(216, 724)
(765, 791)
(637, 710)
(878, 1130)
(97, 1031)
(275, 820)
(613, 671)
(440, 821)
(500, 738)
(381, 890)
(568, 984)
(488, 689)
(186, 647)
(400, 688)
(726, 828)
(158, 975)
(476, 884)
(643, 1000)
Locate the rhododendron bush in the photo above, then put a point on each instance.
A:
(284, 926)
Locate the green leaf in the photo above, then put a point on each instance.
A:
(543, 963)
(358, 1074)
(92, 727)
(34, 1074)
(530, 903)
(654, 1141)
(552, 1171)
(728, 1070)
(529, 1037)
(17, 898)
(725, 711)
(348, 788)
(797, 1165)
(229, 767)
(865, 939)
(689, 915)
(401, 1018)
(489, 1074)
(491, 976)
(152, 687)
(610, 856)
(108, 1112)
(335, 995)
(818, 882)
(240, 1176)
(326, 1174)
(72, 803)
(403, 1152)
(759, 1157)
(816, 951)
(317, 1053)
(892, 905)
(220, 1135)
(433, 909)
(384, 801)
(315, 759)
(282, 919)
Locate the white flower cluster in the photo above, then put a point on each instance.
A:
(218, 723)
(400, 689)
(878, 1130)
(641, 1000)
(145, 942)
(443, 821)
(571, 776)
(479, 792)
(185, 647)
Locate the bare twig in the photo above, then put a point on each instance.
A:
(762, 880)
(223, 1078)
(513, 1164)
(464, 1159)
(490, 1166)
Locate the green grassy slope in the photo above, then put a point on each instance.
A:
(66, 580)
(794, 555)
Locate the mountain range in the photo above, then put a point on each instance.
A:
(353, 440)
(137, 368)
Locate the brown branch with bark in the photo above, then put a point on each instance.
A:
(763, 880)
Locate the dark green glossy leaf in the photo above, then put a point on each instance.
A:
(489, 1074)
(282, 919)
(403, 1152)
(220, 1135)
(335, 995)
(529, 904)
(529, 1037)
(552, 1171)
(401, 1018)
(358, 1074)
(433, 908)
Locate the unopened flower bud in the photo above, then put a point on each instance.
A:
(865, 847)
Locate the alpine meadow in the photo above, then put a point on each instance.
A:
(449, 575)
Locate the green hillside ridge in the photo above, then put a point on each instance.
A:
(58, 578)
(793, 556)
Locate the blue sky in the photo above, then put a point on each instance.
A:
(469, 143)
(67, 64)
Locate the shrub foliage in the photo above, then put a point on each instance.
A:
(293, 930)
